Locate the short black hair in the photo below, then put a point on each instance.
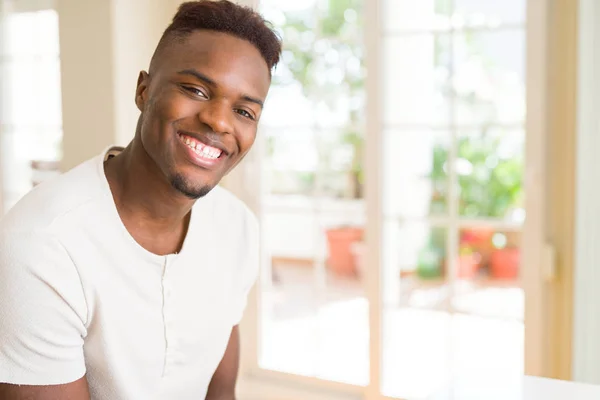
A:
(227, 17)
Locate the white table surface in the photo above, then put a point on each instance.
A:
(528, 388)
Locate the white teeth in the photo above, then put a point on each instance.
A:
(190, 143)
(201, 149)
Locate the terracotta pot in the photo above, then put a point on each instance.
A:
(479, 239)
(504, 263)
(468, 265)
(358, 251)
(340, 241)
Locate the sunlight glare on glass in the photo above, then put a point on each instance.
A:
(289, 5)
(499, 240)
(350, 16)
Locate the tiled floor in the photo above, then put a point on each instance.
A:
(324, 333)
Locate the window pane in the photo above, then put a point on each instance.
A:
(21, 93)
(488, 301)
(416, 326)
(415, 173)
(31, 100)
(489, 77)
(291, 160)
(442, 15)
(438, 330)
(490, 173)
(488, 12)
(21, 35)
(414, 253)
(315, 314)
(416, 70)
(47, 45)
(490, 275)
(341, 162)
(323, 61)
(16, 170)
(411, 15)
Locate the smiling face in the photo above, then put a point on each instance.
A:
(200, 108)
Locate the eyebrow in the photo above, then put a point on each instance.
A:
(253, 100)
(198, 75)
(201, 77)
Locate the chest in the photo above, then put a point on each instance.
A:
(182, 304)
(155, 322)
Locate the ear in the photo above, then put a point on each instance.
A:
(141, 91)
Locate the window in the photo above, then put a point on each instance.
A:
(453, 134)
(313, 309)
(452, 83)
(31, 116)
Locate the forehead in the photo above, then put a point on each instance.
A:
(231, 62)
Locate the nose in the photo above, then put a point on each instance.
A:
(217, 114)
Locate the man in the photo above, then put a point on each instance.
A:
(126, 277)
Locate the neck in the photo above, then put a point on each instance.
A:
(142, 192)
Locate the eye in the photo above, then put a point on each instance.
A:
(195, 91)
(245, 114)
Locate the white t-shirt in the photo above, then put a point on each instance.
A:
(78, 295)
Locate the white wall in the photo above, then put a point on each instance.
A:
(104, 45)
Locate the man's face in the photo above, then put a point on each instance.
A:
(200, 108)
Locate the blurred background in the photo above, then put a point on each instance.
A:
(423, 176)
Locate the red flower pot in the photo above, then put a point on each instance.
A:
(504, 263)
(341, 260)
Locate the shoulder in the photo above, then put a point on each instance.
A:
(231, 211)
(48, 203)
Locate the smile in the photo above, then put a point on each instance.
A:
(201, 149)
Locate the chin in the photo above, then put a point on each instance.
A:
(190, 188)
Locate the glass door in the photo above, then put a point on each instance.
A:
(448, 308)
(453, 139)
(314, 311)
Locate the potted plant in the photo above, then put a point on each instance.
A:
(468, 262)
(432, 257)
(430, 264)
(355, 173)
(490, 186)
(505, 257)
(341, 244)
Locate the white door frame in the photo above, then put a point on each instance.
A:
(535, 185)
(586, 329)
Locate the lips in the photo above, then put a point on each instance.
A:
(200, 148)
(199, 153)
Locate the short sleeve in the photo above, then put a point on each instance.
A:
(42, 311)
(250, 265)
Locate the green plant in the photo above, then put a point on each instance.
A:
(489, 183)
(356, 140)
(325, 56)
(430, 263)
(493, 184)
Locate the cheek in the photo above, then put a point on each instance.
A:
(171, 109)
(246, 140)
(170, 106)
(160, 120)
